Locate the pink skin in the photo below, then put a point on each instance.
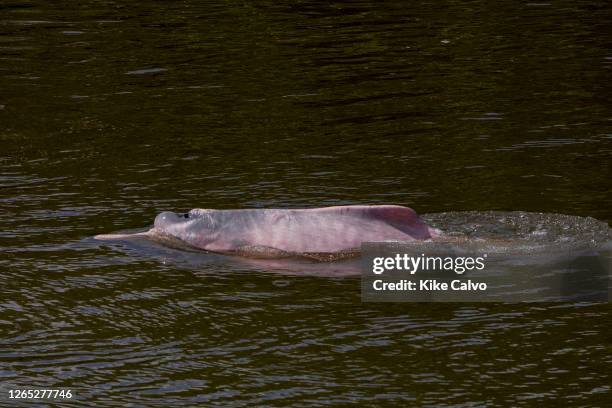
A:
(316, 230)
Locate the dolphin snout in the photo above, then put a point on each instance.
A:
(165, 219)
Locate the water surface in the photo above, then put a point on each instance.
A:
(111, 113)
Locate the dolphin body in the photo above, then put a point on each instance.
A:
(324, 234)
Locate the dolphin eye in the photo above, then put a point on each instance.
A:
(186, 215)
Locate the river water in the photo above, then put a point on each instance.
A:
(111, 113)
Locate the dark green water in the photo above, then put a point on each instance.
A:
(111, 113)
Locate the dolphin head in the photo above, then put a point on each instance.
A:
(196, 227)
(169, 220)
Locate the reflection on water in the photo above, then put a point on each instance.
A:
(112, 113)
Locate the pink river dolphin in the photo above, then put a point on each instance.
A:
(328, 233)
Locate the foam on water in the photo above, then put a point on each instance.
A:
(520, 233)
